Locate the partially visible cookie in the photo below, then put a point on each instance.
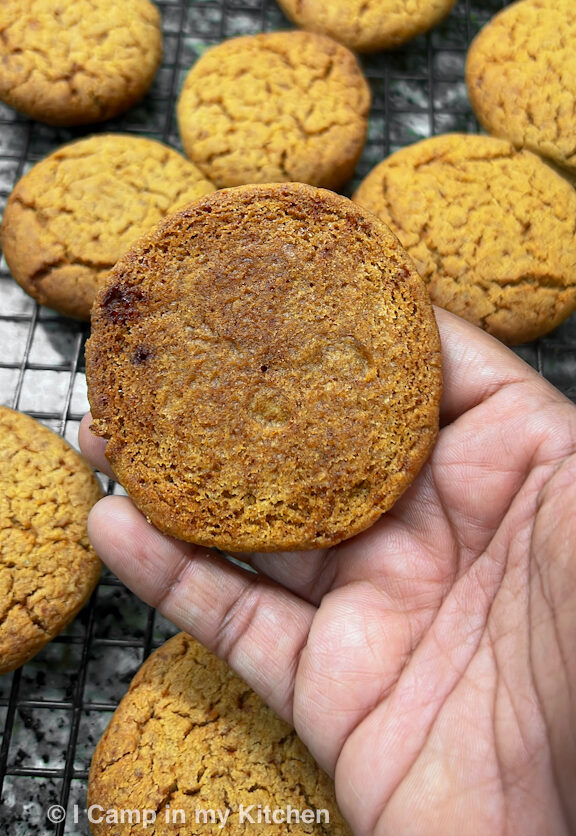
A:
(491, 230)
(278, 389)
(368, 25)
(47, 566)
(275, 107)
(74, 62)
(195, 747)
(72, 216)
(521, 77)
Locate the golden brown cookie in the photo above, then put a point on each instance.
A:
(77, 211)
(521, 77)
(491, 230)
(276, 107)
(278, 388)
(74, 62)
(368, 25)
(192, 749)
(47, 566)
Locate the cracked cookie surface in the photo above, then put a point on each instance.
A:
(74, 62)
(48, 568)
(521, 77)
(492, 230)
(278, 389)
(275, 107)
(368, 25)
(72, 216)
(191, 736)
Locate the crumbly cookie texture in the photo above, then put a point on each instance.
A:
(275, 107)
(278, 387)
(491, 230)
(191, 737)
(47, 566)
(521, 77)
(74, 62)
(72, 216)
(368, 25)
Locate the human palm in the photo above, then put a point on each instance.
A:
(427, 663)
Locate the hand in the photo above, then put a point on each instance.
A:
(429, 662)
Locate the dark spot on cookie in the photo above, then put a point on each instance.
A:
(403, 271)
(141, 355)
(119, 303)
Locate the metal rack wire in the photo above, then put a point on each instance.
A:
(54, 709)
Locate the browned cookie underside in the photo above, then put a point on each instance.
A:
(491, 230)
(47, 565)
(190, 735)
(267, 369)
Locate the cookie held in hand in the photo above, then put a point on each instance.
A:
(266, 367)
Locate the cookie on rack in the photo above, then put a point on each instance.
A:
(278, 389)
(521, 77)
(275, 107)
(368, 25)
(76, 62)
(48, 568)
(72, 216)
(490, 228)
(190, 737)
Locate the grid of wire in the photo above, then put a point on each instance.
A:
(54, 709)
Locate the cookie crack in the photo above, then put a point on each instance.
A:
(537, 281)
(29, 610)
(104, 767)
(168, 796)
(38, 276)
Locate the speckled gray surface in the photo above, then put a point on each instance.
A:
(55, 708)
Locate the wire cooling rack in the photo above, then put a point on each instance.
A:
(54, 709)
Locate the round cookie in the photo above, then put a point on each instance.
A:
(368, 25)
(491, 230)
(278, 389)
(275, 107)
(72, 216)
(48, 568)
(521, 77)
(75, 62)
(190, 737)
